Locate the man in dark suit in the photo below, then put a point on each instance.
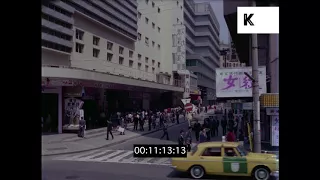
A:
(109, 129)
(181, 138)
(82, 127)
(197, 129)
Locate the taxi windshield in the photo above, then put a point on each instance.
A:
(241, 150)
(194, 149)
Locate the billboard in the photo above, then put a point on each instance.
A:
(232, 82)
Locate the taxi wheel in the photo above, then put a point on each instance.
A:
(261, 173)
(197, 172)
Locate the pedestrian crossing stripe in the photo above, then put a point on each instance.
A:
(113, 156)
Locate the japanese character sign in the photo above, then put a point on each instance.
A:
(232, 82)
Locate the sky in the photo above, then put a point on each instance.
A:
(217, 6)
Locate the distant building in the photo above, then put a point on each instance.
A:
(228, 60)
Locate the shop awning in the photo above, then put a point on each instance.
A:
(269, 100)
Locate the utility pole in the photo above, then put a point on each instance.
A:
(255, 91)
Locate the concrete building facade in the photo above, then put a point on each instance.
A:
(110, 45)
(202, 46)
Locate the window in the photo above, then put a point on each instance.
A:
(153, 61)
(139, 15)
(159, 29)
(95, 52)
(109, 56)
(79, 34)
(146, 68)
(212, 152)
(147, 41)
(229, 152)
(146, 20)
(191, 62)
(153, 25)
(120, 50)
(153, 43)
(153, 70)
(147, 1)
(177, 20)
(177, 3)
(79, 48)
(130, 54)
(139, 56)
(158, 46)
(224, 65)
(159, 10)
(139, 66)
(130, 63)
(139, 36)
(153, 4)
(109, 46)
(180, 7)
(96, 40)
(146, 59)
(158, 64)
(120, 60)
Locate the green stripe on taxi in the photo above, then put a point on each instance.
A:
(235, 165)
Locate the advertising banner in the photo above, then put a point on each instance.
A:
(232, 82)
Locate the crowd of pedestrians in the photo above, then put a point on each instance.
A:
(210, 128)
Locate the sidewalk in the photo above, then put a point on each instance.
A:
(71, 143)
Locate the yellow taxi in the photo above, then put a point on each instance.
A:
(226, 158)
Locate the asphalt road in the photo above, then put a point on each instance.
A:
(68, 167)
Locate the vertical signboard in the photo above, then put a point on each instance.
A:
(178, 46)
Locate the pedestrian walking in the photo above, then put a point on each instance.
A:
(213, 125)
(188, 138)
(181, 138)
(135, 122)
(197, 129)
(224, 126)
(207, 128)
(235, 126)
(165, 131)
(149, 121)
(82, 127)
(109, 130)
(230, 136)
(141, 123)
(203, 135)
(217, 127)
(241, 137)
(177, 116)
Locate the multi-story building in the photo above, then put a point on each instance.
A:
(202, 46)
(228, 60)
(106, 55)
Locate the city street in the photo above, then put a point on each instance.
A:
(117, 162)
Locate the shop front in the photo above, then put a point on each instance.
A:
(86, 98)
(270, 116)
(51, 109)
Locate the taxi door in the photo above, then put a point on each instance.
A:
(211, 160)
(233, 163)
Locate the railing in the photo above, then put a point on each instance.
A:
(117, 71)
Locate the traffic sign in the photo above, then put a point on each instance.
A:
(188, 107)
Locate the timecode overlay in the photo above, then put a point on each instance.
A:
(159, 150)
